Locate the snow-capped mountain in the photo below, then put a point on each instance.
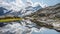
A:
(17, 9)
(30, 9)
(13, 9)
(26, 11)
(4, 11)
(7, 10)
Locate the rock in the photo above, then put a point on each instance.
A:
(57, 15)
(2, 24)
(46, 17)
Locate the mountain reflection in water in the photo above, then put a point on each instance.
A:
(25, 27)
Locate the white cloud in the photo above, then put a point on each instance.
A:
(42, 5)
(29, 3)
(15, 5)
(19, 3)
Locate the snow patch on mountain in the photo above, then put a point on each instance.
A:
(16, 5)
(18, 8)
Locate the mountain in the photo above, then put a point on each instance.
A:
(31, 9)
(34, 17)
(4, 11)
(48, 17)
(25, 11)
(14, 8)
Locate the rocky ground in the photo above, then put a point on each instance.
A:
(48, 17)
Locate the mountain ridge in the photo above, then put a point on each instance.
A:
(47, 17)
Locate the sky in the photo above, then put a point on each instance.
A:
(48, 2)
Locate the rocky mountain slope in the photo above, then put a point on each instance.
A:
(4, 11)
(48, 17)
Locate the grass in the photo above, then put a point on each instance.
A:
(10, 19)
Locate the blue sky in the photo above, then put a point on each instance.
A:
(48, 2)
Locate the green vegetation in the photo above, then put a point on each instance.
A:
(10, 19)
